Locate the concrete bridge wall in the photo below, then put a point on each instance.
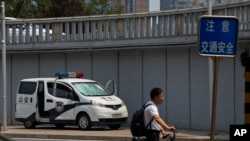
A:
(181, 72)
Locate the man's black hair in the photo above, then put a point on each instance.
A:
(155, 92)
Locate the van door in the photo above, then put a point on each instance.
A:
(40, 100)
(26, 101)
(110, 85)
(60, 104)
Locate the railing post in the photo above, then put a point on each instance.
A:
(56, 32)
(178, 22)
(120, 29)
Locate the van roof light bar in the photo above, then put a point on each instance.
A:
(61, 75)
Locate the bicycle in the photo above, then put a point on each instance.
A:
(169, 137)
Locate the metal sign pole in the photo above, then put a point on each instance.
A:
(209, 7)
(4, 66)
(214, 95)
(215, 79)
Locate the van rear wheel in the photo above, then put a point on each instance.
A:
(29, 124)
(84, 122)
(115, 126)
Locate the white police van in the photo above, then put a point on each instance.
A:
(68, 99)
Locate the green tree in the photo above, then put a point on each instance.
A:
(58, 8)
(65, 8)
(17, 8)
(40, 8)
(26, 8)
(116, 10)
(101, 7)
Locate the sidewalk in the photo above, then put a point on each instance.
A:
(123, 134)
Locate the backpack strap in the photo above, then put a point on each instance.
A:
(145, 106)
(149, 123)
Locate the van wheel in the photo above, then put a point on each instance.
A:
(84, 122)
(29, 124)
(115, 126)
(59, 126)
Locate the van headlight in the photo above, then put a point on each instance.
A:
(122, 104)
(96, 103)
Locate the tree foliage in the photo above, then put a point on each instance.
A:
(65, 8)
(101, 7)
(26, 8)
(17, 8)
(59, 8)
(41, 8)
(116, 10)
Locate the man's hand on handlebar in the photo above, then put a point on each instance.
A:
(172, 128)
(164, 133)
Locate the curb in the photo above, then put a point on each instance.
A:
(107, 138)
(72, 132)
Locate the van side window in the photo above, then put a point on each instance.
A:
(50, 87)
(27, 88)
(62, 91)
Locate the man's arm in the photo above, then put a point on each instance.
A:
(164, 125)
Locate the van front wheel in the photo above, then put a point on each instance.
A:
(84, 122)
(29, 124)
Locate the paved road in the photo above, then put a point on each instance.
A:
(99, 134)
(35, 139)
(6, 138)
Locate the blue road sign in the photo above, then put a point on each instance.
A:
(218, 36)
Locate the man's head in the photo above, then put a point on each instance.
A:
(157, 95)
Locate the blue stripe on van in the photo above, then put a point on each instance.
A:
(54, 112)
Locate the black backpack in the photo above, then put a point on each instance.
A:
(137, 126)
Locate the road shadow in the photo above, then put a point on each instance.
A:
(69, 128)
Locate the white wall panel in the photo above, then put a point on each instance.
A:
(225, 101)
(80, 62)
(130, 79)
(199, 90)
(105, 67)
(178, 91)
(51, 63)
(154, 75)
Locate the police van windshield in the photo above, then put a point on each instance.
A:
(91, 89)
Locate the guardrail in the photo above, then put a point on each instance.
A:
(119, 27)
